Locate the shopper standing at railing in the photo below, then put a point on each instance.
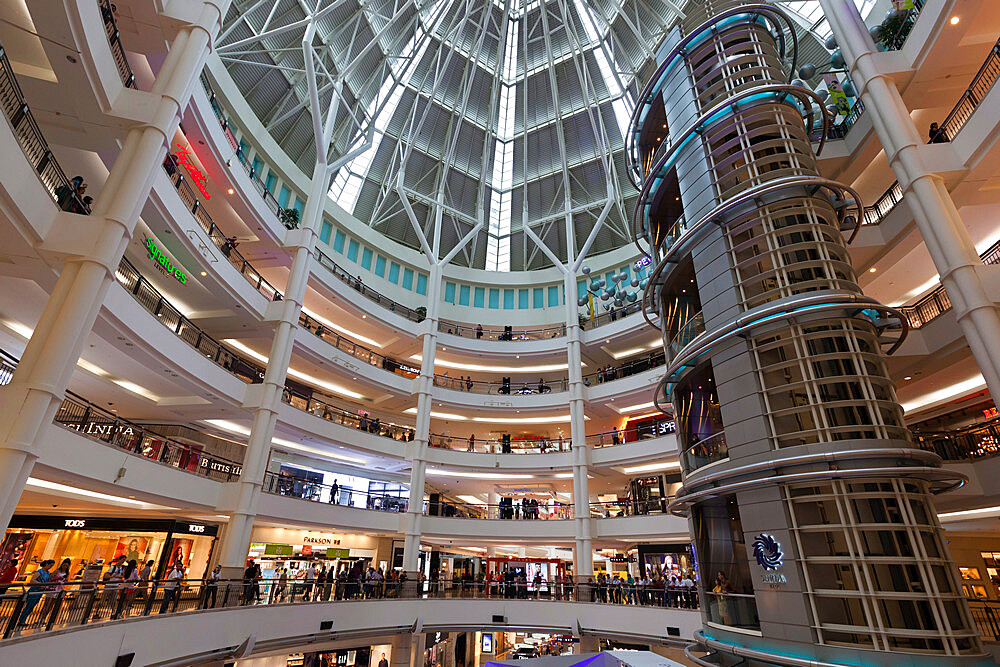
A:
(8, 575)
(171, 587)
(38, 583)
(211, 587)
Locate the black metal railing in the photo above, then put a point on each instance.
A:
(373, 295)
(937, 303)
(974, 94)
(36, 149)
(967, 444)
(30, 609)
(88, 419)
(986, 615)
(114, 40)
(357, 350)
(95, 422)
(259, 185)
(215, 234)
(151, 299)
(356, 418)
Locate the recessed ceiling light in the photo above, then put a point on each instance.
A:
(204, 273)
(908, 377)
(230, 191)
(954, 20)
(872, 270)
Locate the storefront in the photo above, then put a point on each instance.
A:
(345, 657)
(286, 548)
(91, 543)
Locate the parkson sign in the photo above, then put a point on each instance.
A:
(164, 261)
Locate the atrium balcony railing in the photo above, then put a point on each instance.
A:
(937, 303)
(79, 414)
(974, 94)
(31, 610)
(515, 511)
(35, 148)
(955, 121)
(646, 431)
(356, 418)
(266, 194)
(691, 329)
(981, 441)
(286, 485)
(504, 334)
(219, 239)
(8, 365)
(708, 450)
(95, 422)
(150, 299)
(366, 291)
(532, 445)
(357, 351)
(115, 42)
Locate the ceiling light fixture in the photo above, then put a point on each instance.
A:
(634, 408)
(335, 388)
(336, 327)
(872, 270)
(65, 488)
(438, 472)
(653, 467)
(954, 20)
(230, 191)
(494, 368)
(233, 427)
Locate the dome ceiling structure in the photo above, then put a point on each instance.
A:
(511, 113)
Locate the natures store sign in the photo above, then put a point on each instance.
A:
(164, 261)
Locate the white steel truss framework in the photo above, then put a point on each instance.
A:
(503, 115)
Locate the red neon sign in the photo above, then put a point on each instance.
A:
(990, 412)
(183, 156)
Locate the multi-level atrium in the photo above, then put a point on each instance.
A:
(325, 331)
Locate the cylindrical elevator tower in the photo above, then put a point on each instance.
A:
(814, 532)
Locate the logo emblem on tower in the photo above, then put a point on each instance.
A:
(767, 551)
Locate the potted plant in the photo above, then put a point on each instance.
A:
(421, 312)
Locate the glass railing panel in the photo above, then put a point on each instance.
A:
(708, 450)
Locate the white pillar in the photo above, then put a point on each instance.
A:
(578, 436)
(33, 396)
(400, 653)
(424, 386)
(936, 215)
(237, 537)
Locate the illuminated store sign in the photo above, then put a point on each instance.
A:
(75, 523)
(164, 261)
(183, 156)
(642, 262)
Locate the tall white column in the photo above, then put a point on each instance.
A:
(936, 215)
(424, 386)
(400, 653)
(31, 399)
(584, 563)
(237, 536)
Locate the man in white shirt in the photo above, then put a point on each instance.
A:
(310, 578)
(172, 587)
(688, 594)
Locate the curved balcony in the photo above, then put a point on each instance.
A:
(711, 449)
(77, 414)
(150, 628)
(148, 297)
